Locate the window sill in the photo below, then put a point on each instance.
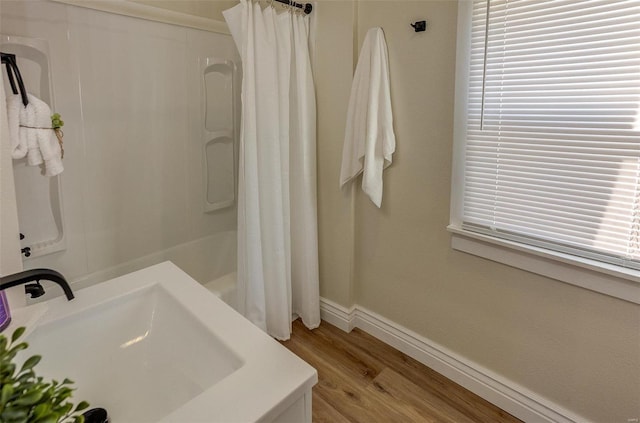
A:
(615, 281)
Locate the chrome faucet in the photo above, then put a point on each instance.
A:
(35, 275)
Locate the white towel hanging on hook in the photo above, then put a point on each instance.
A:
(32, 135)
(369, 141)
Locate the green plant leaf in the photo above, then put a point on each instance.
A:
(30, 363)
(64, 392)
(12, 413)
(17, 333)
(81, 406)
(5, 393)
(64, 409)
(48, 418)
(26, 377)
(15, 349)
(30, 398)
(8, 370)
(78, 419)
(40, 410)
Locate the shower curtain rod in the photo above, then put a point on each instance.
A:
(308, 7)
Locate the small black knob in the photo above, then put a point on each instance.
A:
(26, 251)
(419, 26)
(21, 236)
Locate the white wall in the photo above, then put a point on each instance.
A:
(129, 93)
(211, 9)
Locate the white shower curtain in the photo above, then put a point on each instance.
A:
(277, 219)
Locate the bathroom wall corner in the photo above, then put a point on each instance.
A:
(333, 72)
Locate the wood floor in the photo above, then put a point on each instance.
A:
(361, 379)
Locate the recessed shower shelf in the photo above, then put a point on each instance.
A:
(218, 132)
(38, 197)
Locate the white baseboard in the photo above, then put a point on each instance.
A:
(509, 396)
(339, 316)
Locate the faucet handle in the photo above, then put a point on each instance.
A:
(34, 290)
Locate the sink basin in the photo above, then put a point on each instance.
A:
(140, 356)
(155, 345)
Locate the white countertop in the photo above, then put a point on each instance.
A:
(268, 380)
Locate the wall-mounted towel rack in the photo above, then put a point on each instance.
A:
(12, 70)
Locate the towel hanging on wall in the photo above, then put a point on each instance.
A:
(30, 124)
(32, 135)
(369, 141)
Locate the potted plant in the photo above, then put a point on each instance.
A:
(28, 398)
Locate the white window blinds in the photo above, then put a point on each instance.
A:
(553, 126)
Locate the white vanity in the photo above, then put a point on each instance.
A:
(156, 346)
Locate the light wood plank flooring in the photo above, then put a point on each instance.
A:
(362, 379)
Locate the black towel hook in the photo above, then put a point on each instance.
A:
(12, 70)
(419, 26)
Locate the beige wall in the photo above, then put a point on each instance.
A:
(575, 347)
(333, 69)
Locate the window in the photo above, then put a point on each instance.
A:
(548, 129)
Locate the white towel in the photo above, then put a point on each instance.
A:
(14, 106)
(47, 143)
(29, 134)
(369, 140)
(32, 135)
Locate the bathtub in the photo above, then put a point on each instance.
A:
(224, 288)
(210, 260)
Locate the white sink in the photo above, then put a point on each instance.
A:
(140, 356)
(155, 345)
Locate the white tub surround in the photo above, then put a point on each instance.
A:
(157, 340)
(133, 190)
